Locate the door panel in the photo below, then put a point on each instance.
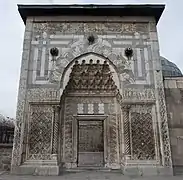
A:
(90, 143)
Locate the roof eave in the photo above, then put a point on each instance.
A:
(91, 10)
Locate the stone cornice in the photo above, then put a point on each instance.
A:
(91, 10)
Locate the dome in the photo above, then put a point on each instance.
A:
(169, 69)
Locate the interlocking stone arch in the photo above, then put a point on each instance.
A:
(87, 57)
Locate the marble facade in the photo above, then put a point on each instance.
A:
(85, 84)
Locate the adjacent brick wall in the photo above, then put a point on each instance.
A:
(174, 100)
(5, 156)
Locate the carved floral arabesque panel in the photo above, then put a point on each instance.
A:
(43, 95)
(40, 132)
(101, 28)
(132, 94)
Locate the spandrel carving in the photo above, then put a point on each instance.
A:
(77, 49)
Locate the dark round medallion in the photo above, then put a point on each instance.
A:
(129, 52)
(54, 51)
(91, 39)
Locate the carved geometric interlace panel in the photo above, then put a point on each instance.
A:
(40, 126)
(143, 145)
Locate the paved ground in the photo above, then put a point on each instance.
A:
(86, 176)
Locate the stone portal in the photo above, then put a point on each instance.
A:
(89, 115)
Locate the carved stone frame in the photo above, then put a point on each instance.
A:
(127, 136)
(156, 161)
(54, 134)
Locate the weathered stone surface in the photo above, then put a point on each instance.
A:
(5, 157)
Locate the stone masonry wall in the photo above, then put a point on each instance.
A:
(174, 101)
(5, 157)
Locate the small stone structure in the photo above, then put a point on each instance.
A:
(91, 91)
(6, 142)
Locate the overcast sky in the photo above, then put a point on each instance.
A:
(170, 29)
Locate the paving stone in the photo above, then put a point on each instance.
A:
(88, 176)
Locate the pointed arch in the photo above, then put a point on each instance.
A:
(87, 57)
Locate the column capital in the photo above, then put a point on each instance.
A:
(56, 107)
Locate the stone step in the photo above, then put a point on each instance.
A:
(90, 168)
(178, 170)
